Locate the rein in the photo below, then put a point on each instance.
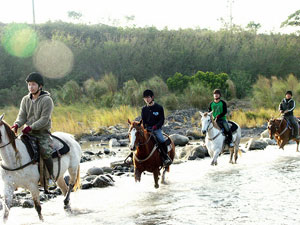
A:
(284, 130)
(19, 168)
(217, 135)
(151, 153)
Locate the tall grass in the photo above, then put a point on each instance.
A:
(257, 117)
(80, 118)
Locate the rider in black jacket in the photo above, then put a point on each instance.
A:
(286, 107)
(153, 119)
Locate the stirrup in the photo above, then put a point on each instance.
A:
(51, 184)
(167, 162)
(231, 145)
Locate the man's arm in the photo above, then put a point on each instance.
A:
(224, 109)
(292, 106)
(209, 107)
(22, 116)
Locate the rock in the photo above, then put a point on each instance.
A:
(95, 171)
(85, 159)
(264, 134)
(113, 143)
(88, 153)
(106, 151)
(102, 181)
(198, 152)
(27, 204)
(195, 133)
(179, 139)
(192, 152)
(256, 144)
(90, 178)
(107, 169)
(119, 173)
(117, 163)
(124, 142)
(269, 141)
(86, 185)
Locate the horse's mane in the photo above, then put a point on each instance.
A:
(11, 135)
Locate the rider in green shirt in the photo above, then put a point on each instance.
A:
(219, 109)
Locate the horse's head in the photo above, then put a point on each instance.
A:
(6, 133)
(273, 126)
(136, 133)
(206, 120)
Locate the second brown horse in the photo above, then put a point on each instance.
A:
(282, 132)
(146, 156)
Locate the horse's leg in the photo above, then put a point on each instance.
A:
(155, 175)
(163, 181)
(297, 150)
(216, 155)
(35, 193)
(73, 177)
(137, 174)
(236, 153)
(8, 197)
(231, 155)
(62, 184)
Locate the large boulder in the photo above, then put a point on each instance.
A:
(195, 133)
(179, 139)
(192, 152)
(256, 144)
(95, 171)
(102, 181)
(114, 143)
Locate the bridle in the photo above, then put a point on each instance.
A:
(277, 127)
(209, 127)
(142, 134)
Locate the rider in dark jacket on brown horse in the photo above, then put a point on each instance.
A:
(286, 107)
(153, 119)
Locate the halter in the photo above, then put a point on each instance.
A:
(208, 129)
(9, 142)
(284, 130)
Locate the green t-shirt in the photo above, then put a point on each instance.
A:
(218, 108)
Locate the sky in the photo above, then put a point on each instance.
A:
(173, 14)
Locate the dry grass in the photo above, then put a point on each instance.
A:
(255, 118)
(78, 119)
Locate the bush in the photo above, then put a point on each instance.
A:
(68, 94)
(198, 96)
(94, 90)
(170, 102)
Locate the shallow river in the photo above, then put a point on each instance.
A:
(263, 188)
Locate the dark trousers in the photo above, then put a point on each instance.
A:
(294, 122)
(223, 124)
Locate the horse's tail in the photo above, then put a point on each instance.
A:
(77, 183)
(240, 152)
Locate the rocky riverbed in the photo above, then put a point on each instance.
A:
(108, 146)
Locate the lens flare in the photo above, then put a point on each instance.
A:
(19, 40)
(53, 59)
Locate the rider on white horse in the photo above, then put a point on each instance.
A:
(153, 119)
(35, 111)
(219, 109)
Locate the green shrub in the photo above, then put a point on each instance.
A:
(170, 101)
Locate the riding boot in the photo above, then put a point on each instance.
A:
(164, 154)
(229, 139)
(49, 165)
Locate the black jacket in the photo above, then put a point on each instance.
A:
(153, 115)
(287, 104)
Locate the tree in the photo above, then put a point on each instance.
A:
(74, 15)
(253, 26)
(292, 20)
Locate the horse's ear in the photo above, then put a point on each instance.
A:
(141, 122)
(129, 122)
(209, 114)
(201, 113)
(1, 117)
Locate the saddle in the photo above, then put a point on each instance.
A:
(167, 140)
(233, 126)
(59, 148)
(31, 143)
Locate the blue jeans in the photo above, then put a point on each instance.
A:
(159, 135)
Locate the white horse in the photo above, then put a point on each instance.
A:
(14, 155)
(214, 139)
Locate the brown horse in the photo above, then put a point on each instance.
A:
(282, 132)
(146, 156)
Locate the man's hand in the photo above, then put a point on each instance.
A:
(154, 127)
(286, 111)
(218, 117)
(26, 130)
(15, 128)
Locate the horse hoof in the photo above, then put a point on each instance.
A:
(41, 218)
(156, 186)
